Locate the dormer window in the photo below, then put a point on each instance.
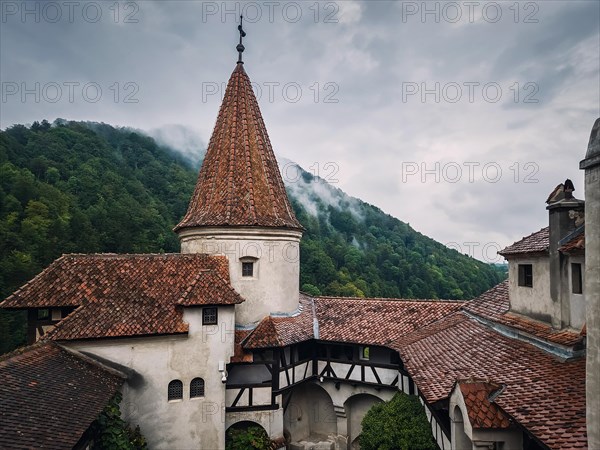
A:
(526, 275)
(248, 269)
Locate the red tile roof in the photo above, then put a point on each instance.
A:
(544, 394)
(239, 183)
(281, 331)
(376, 321)
(50, 397)
(483, 413)
(126, 295)
(352, 320)
(239, 354)
(494, 305)
(574, 245)
(537, 242)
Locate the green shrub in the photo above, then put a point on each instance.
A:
(247, 438)
(400, 424)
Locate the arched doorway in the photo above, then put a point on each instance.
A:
(239, 435)
(460, 440)
(356, 407)
(309, 414)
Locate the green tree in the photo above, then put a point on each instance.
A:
(110, 432)
(400, 424)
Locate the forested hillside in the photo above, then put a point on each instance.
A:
(79, 187)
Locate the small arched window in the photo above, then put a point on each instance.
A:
(197, 388)
(175, 391)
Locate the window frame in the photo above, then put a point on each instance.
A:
(174, 384)
(246, 264)
(206, 311)
(525, 279)
(202, 389)
(576, 278)
(364, 352)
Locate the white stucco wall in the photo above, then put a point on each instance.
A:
(275, 284)
(184, 424)
(535, 301)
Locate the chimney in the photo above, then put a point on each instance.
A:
(565, 212)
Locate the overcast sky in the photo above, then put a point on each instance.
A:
(457, 117)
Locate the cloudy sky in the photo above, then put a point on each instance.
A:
(457, 117)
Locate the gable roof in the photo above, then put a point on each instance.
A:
(50, 396)
(126, 295)
(482, 411)
(537, 242)
(239, 183)
(494, 305)
(373, 321)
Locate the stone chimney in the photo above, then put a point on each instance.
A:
(591, 165)
(565, 213)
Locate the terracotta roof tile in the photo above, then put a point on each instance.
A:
(50, 397)
(356, 320)
(281, 331)
(537, 242)
(483, 413)
(239, 183)
(575, 242)
(542, 393)
(376, 321)
(494, 305)
(126, 295)
(239, 354)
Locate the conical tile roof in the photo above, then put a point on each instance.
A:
(239, 183)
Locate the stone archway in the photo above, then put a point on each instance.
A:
(356, 407)
(460, 440)
(309, 414)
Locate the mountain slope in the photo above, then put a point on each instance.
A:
(87, 187)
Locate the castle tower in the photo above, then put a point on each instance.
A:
(240, 207)
(591, 165)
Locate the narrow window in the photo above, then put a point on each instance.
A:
(209, 316)
(526, 275)
(43, 314)
(197, 388)
(364, 353)
(247, 269)
(175, 391)
(576, 278)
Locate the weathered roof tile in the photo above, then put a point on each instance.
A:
(239, 183)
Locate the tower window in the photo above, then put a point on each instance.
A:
(209, 316)
(247, 269)
(576, 279)
(197, 388)
(526, 275)
(175, 390)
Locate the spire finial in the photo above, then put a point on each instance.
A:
(240, 47)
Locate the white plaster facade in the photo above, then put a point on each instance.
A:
(534, 301)
(182, 424)
(274, 286)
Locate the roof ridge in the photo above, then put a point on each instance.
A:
(91, 361)
(389, 299)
